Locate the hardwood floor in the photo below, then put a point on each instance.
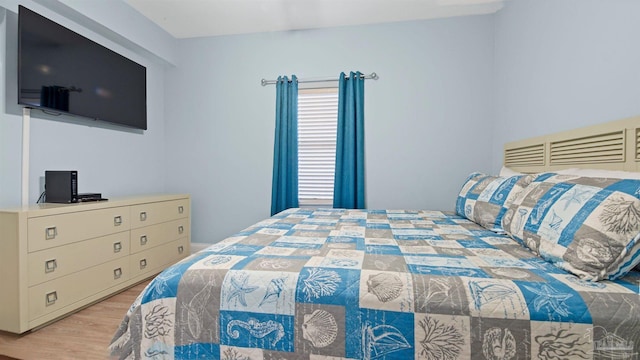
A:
(83, 335)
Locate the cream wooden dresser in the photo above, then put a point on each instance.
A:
(57, 258)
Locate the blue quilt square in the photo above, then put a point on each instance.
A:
(293, 245)
(447, 271)
(240, 249)
(383, 334)
(383, 250)
(569, 232)
(280, 226)
(254, 330)
(627, 186)
(247, 232)
(358, 241)
(480, 233)
(445, 221)
(554, 301)
(543, 177)
(475, 244)
(197, 351)
(502, 192)
(353, 222)
(631, 282)
(374, 225)
(543, 205)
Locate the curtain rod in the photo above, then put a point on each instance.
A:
(265, 82)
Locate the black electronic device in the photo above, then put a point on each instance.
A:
(61, 186)
(64, 72)
(90, 197)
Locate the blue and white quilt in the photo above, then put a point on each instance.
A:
(357, 284)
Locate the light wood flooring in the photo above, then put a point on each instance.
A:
(83, 335)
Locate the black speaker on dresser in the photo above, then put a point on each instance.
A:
(61, 186)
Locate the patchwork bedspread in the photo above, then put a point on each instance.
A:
(332, 284)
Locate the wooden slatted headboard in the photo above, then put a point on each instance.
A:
(613, 145)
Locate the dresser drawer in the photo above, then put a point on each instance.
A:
(58, 258)
(55, 230)
(157, 258)
(151, 236)
(49, 264)
(56, 294)
(158, 212)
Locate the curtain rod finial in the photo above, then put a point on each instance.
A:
(374, 76)
(263, 82)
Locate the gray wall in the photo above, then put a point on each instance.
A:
(450, 93)
(112, 160)
(426, 117)
(564, 64)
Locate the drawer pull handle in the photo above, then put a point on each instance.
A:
(143, 216)
(180, 249)
(180, 229)
(143, 240)
(180, 209)
(143, 263)
(117, 220)
(51, 232)
(117, 247)
(117, 273)
(50, 266)
(51, 298)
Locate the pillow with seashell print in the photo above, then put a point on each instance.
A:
(588, 226)
(484, 199)
(601, 173)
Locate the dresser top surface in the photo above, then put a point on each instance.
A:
(53, 208)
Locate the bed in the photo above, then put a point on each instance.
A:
(478, 282)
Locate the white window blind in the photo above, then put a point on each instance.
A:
(317, 131)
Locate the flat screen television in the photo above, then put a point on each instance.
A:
(61, 71)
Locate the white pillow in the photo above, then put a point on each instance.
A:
(615, 174)
(508, 172)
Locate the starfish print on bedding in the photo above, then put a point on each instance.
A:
(240, 289)
(551, 298)
(575, 195)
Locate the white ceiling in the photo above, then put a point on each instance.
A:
(196, 18)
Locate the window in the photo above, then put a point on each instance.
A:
(317, 132)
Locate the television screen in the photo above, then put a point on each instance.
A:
(63, 72)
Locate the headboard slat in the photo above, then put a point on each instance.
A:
(637, 142)
(531, 155)
(608, 147)
(614, 145)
